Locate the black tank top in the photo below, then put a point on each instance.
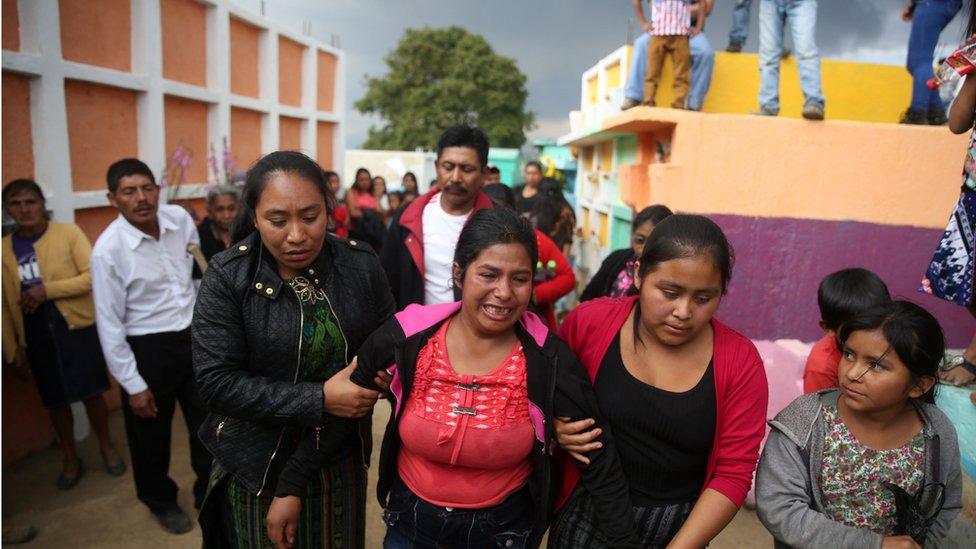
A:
(663, 438)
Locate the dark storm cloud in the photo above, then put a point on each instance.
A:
(554, 41)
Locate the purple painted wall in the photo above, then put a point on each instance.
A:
(780, 262)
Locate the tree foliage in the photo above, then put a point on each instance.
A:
(438, 78)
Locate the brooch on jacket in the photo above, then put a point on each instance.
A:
(306, 291)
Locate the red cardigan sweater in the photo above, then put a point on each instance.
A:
(740, 392)
(548, 292)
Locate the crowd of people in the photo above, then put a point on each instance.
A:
(636, 421)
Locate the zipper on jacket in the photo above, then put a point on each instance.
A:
(550, 403)
(220, 427)
(298, 366)
(345, 354)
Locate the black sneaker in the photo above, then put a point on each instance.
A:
(937, 117)
(813, 111)
(629, 103)
(174, 520)
(733, 48)
(912, 116)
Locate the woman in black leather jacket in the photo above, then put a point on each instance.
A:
(278, 317)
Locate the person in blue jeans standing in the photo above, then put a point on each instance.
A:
(801, 16)
(928, 18)
(740, 26)
(702, 60)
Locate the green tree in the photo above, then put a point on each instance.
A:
(442, 77)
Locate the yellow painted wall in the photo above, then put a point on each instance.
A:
(854, 91)
(832, 170)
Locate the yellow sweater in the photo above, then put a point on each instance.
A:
(63, 256)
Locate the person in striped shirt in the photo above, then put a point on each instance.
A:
(672, 28)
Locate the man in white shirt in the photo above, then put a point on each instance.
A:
(144, 295)
(419, 248)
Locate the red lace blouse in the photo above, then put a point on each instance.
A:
(465, 439)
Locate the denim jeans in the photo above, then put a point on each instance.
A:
(740, 22)
(930, 18)
(702, 64)
(801, 16)
(412, 522)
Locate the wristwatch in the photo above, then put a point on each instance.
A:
(960, 361)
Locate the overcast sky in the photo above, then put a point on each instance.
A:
(554, 41)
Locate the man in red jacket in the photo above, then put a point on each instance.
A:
(419, 248)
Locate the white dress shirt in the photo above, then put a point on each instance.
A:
(142, 286)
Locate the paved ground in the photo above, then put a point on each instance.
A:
(102, 511)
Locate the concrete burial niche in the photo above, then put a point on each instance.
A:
(797, 199)
(87, 82)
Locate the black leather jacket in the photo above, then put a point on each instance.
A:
(246, 345)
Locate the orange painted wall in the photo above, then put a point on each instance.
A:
(94, 220)
(26, 424)
(326, 81)
(833, 170)
(11, 25)
(26, 427)
(289, 133)
(245, 136)
(101, 130)
(290, 72)
(97, 32)
(324, 145)
(184, 27)
(186, 124)
(199, 207)
(244, 58)
(18, 147)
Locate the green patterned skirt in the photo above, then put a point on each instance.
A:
(333, 509)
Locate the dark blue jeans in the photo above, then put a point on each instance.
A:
(413, 523)
(930, 18)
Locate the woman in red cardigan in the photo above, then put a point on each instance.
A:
(684, 395)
